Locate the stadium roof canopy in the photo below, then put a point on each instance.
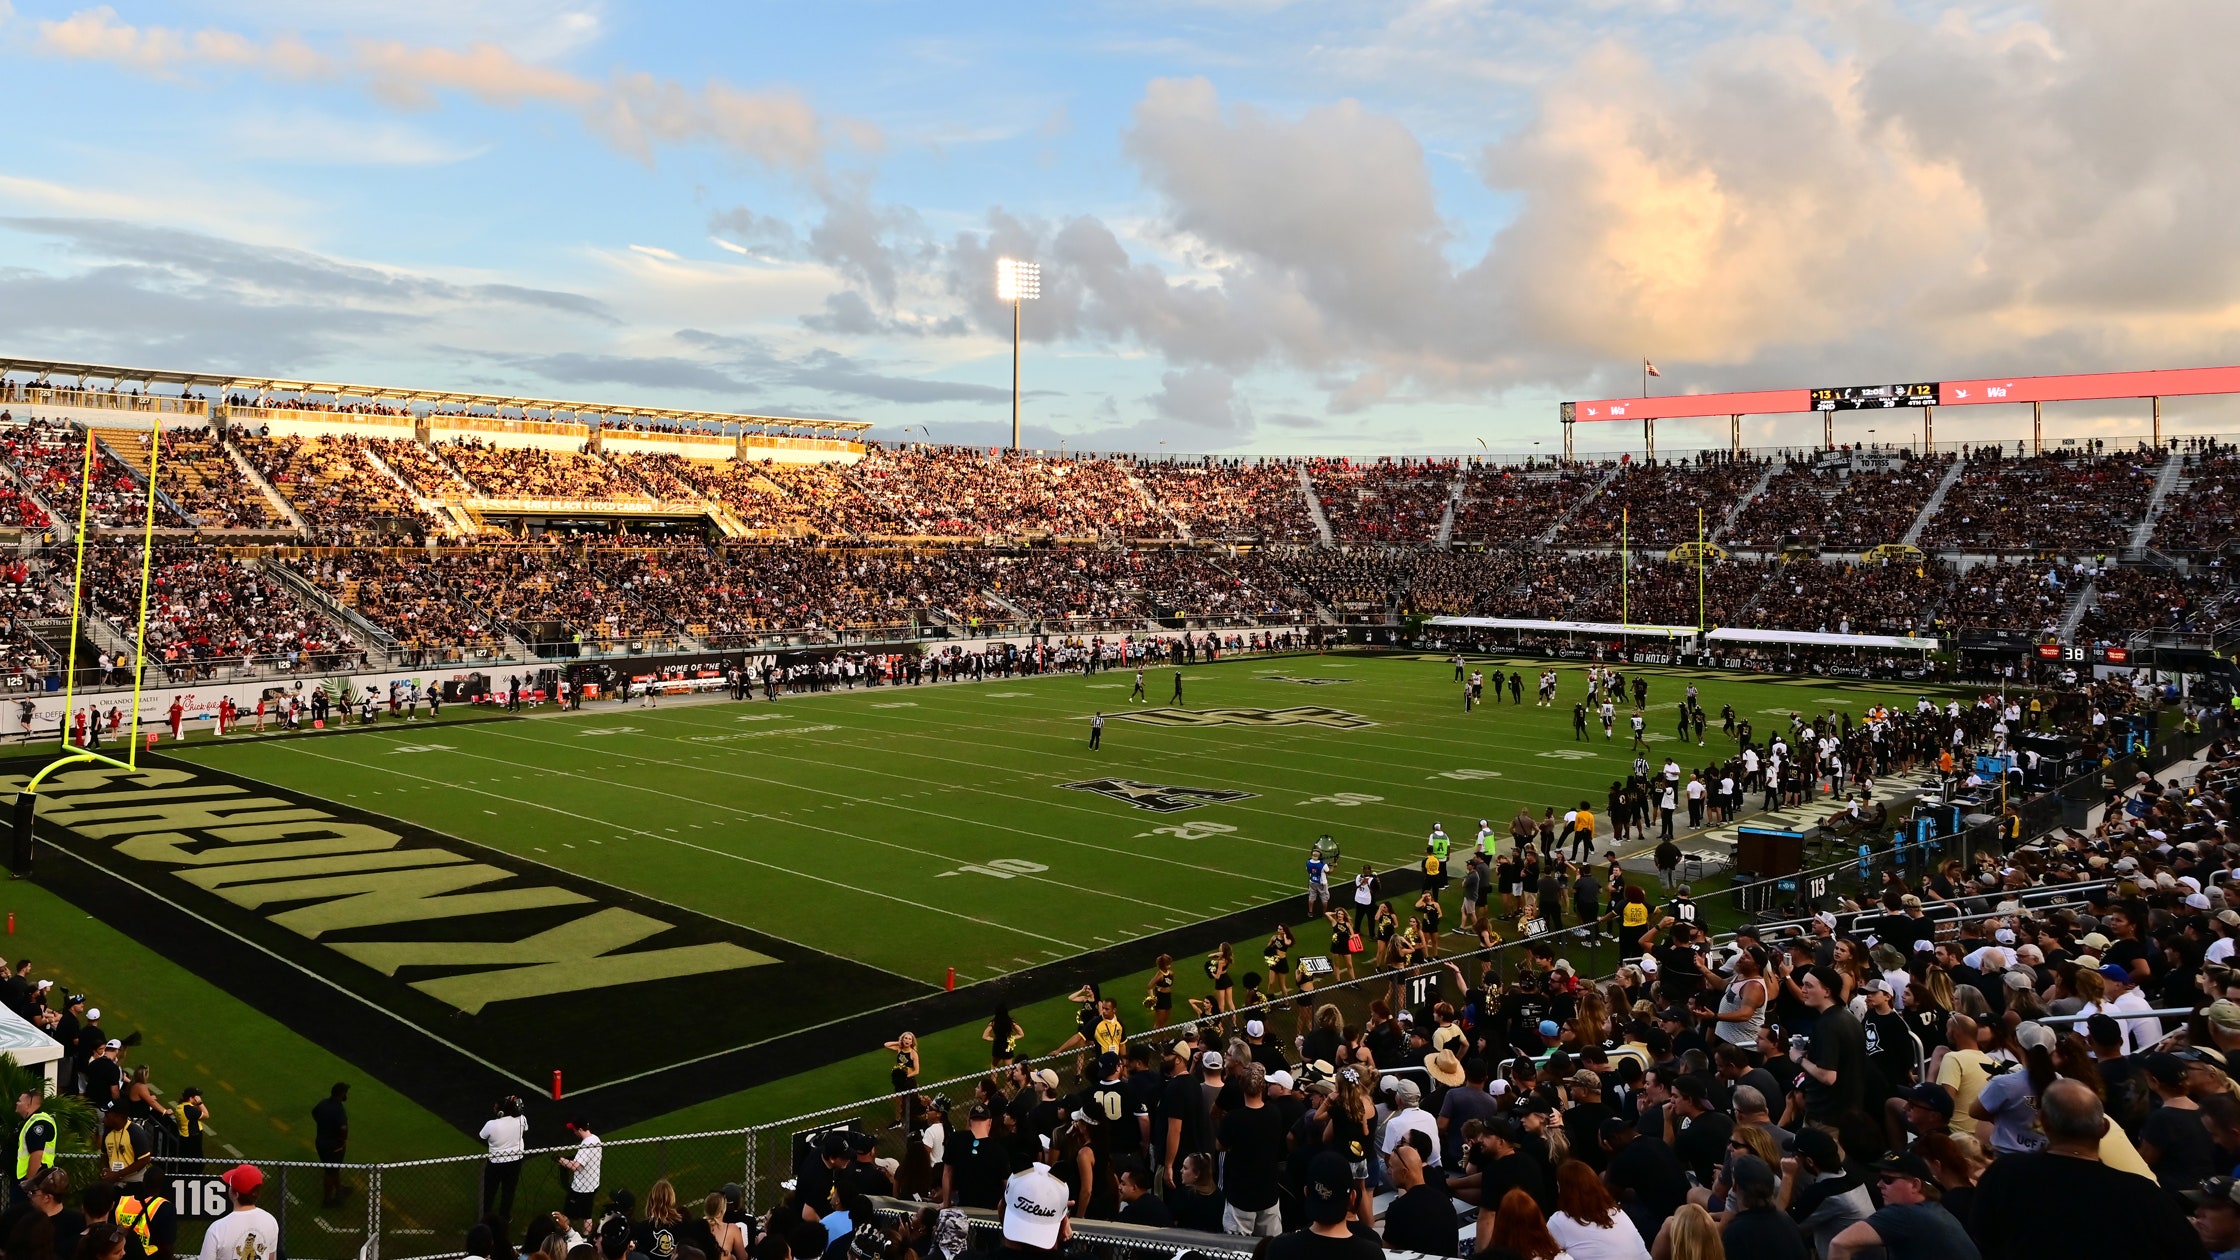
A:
(147, 378)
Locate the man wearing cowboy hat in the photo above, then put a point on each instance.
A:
(1466, 1100)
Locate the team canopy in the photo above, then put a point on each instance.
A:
(1567, 627)
(1808, 638)
(1800, 638)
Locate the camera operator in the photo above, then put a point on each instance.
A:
(508, 1136)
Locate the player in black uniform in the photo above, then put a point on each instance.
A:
(1579, 720)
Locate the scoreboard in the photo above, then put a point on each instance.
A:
(1875, 397)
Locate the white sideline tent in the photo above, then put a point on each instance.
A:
(31, 1048)
(1810, 638)
(1567, 627)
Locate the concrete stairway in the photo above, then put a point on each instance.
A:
(1314, 509)
(2087, 595)
(2170, 481)
(1758, 487)
(1454, 504)
(1556, 526)
(271, 492)
(1912, 536)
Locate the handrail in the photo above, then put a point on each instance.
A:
(17, 392)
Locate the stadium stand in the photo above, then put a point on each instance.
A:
(2052, 502)
(1656, 505)
(533, 473)
(332, 482)
(1231, 499)
(1384, 502)
(1517, 504)
(1834, 504)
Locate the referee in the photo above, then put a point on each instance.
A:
(1096, 731)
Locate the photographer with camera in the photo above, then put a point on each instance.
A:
(508, 1136)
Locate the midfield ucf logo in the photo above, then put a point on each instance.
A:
(1159, 797)
(1302, 715)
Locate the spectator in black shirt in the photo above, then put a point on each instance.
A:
(1420, 1217)
(2173, 1141)
(1186, 1109)
(1759, 1230)
(1331, 1237)
(1835, 1063)
(974, 1168)
(1252, 1137)
(1139, 1203)
(1583, 1122)
(330, 1138)
(1698, 1133)
(1644, 1174)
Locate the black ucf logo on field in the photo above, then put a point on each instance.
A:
(1302, 715)
(1159, 797)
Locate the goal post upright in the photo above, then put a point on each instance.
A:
(27, 800)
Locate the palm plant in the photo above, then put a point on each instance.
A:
(75, 1119)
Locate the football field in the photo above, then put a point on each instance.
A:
(970, 826)
(432, 900)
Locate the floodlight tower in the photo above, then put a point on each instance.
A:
(1016, 282)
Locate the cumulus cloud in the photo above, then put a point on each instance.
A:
(633, 111)
(1870, 193)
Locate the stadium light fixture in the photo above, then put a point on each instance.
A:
(1016, 282)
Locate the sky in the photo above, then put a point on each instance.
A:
(1265, 227)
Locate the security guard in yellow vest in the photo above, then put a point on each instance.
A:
(151, 1222)
(35, 1137)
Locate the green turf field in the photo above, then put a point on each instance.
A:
(887, 835)
(852, 822)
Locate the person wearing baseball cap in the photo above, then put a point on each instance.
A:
(1329, 1196)
(1034, 1211)
(975, 1167)
(2216, 1214)
(2123, 996)
(248, 1232)
(1912, 1222)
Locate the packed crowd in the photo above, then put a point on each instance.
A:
(1836, 503)
(1662, 504)
(535, 473)
(2149, 597)
(2202, 517)
(195, 469)
(2051, 502)
(333, 484)
(418, 467)
(1514, 505)
(1233, 499)
(206, 610)
(820, 499)
(956, 491)
(51, 459)
(1385, 502)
